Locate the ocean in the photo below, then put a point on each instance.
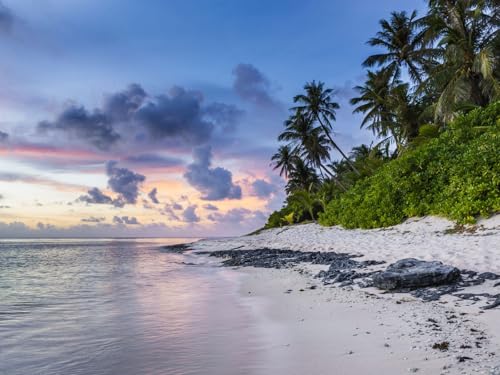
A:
(121, 306)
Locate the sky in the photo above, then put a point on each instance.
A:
(127, 118)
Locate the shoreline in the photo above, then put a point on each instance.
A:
(351, 330)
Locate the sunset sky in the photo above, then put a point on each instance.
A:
(159, 118)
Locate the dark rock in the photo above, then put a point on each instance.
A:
(464, 358)
(413, 273)
(276, 258)
(425, 280)
(492, 305)
(179, 248)
(443, 346)
(488, 276)
(433, 294)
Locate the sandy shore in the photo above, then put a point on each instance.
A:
(332, 330)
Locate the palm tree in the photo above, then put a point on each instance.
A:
(301, 177)
(306, 200)
(390, 111)
(317, 104)
(404, 44)
(309, 141)
(466, 31)
(361, 152)
(284, 160)
(375, 102)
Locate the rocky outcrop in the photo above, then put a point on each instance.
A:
(413, 273)
(277, 258)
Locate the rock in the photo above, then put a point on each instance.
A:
(495, 371)
(492, 305)
(488, 276)
(178, 248)
(278, 258)
(413, 273)
(443, 346)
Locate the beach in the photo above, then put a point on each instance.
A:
(324, 329)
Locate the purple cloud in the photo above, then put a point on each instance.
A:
(213, 183)
(251, 85)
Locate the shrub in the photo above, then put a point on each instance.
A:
(456, 175)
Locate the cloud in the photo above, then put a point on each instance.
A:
(177, 116)
(124, 182)
(226, 116)
(177, 206)
(213, 183)
(210, 207)
(154, 160)
(3, 137)
(121, 106)
(262, 188)
(125, 220)
(169, 210)
(180, 117)
(251, 85)
(38, 180)
(78, 123)
(346, 91)
(6, 19)
(95, 196)
(152, 196)
(189, 214)
(99, 230)
(237, 215)
(93, 219)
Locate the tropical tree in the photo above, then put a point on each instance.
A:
(301, 177)
(317, 104)
(305, 200)
(391, 111)
(309, 142)
(466, 33)
(284, 160)
(404, 46)
(374, 101)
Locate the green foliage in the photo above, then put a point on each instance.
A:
(288, 219)
(426, 132)
(456, 175)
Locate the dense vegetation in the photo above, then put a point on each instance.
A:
(438, 130)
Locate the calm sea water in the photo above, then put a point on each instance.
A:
(120, 307)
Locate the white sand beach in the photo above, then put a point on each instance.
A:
(344, 331)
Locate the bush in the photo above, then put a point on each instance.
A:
(456, 175)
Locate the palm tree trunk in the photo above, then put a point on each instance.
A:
(327, 132)
(334, 178)
(312, 214)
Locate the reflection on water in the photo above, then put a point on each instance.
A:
(119, 307)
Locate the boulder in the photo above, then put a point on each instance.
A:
(413, 273)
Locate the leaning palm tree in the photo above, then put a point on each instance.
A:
(466, 31)
(309, 142)
(284, 160)
(405, 46)
(317, 104)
